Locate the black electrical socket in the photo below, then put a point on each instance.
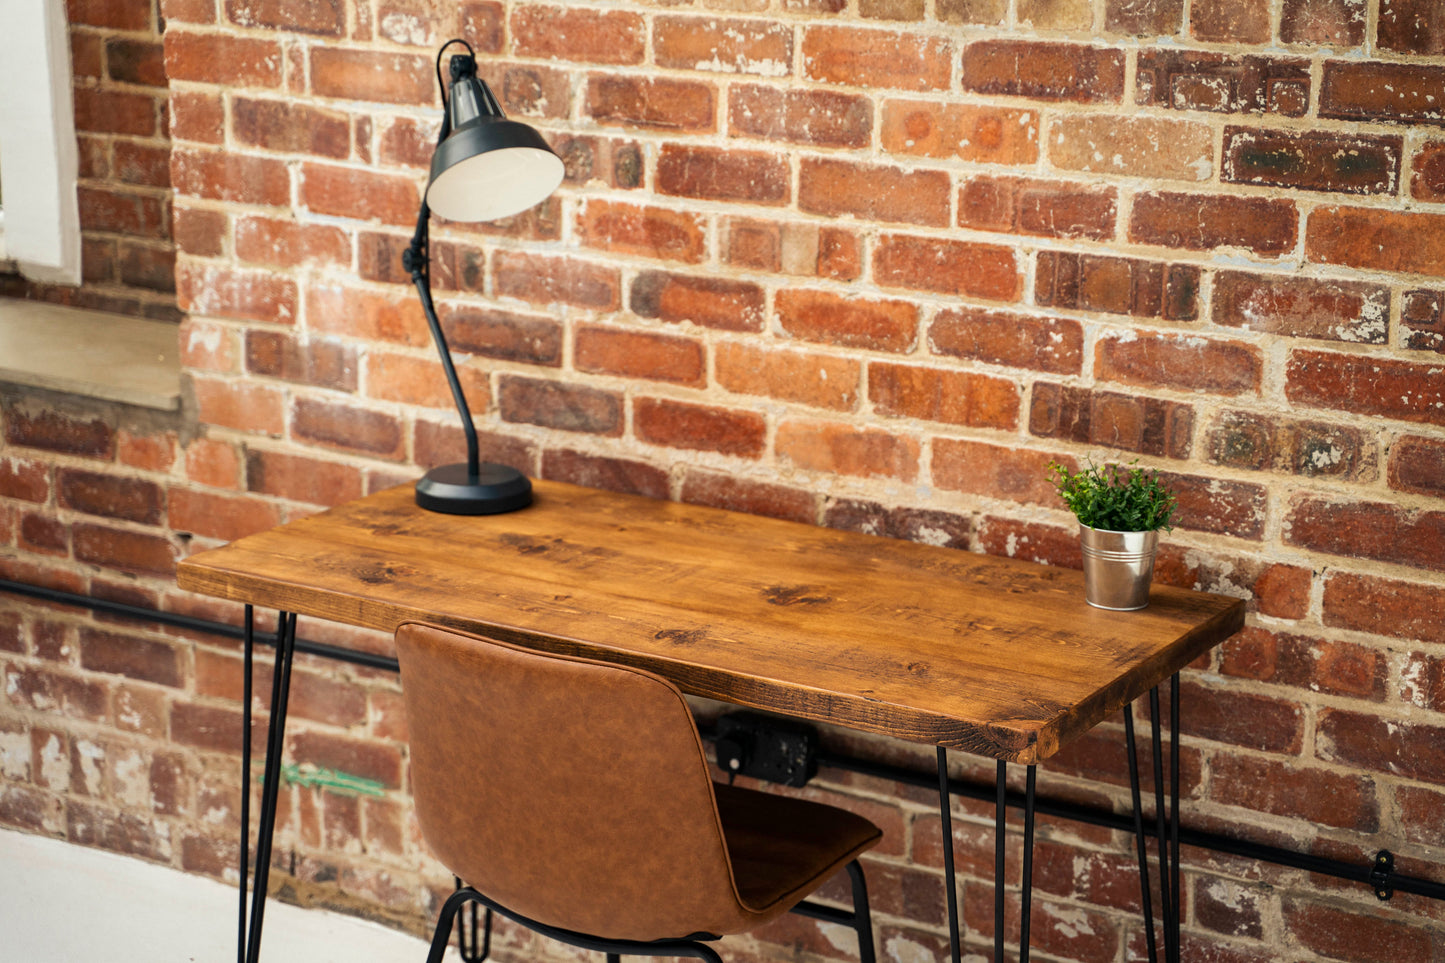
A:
(775, 750)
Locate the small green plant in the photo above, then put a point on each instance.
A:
(1116, 498)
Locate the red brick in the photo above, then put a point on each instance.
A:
(793, 248)
(1258, 442)
(855, 57)
(197, 116)
(1319, 797)
(301, 479)
(755, 498)
(990, 135)
(352, 312)
(215, 58)
(1009, 473)
(239, 405)
(1041, 208)
(532, 90)
(1318, 665)
(372, 75)
(359, 194)
(943, 395)
(566, 407)
(579, 35)
(712, 173)
(1422, 312)
(639, 354)
(118, 211)
(505, 335)
(817, 380)
(1427, 179)
(763, 47)
(814, 117)
(1416, 465)
(1019, 341)
(1346, 934)
(1044, 71)
(42, 533)
(848, 450)
(654, 232)
(1365, 385)
(710, 302)
(1312, 160)
(1283, 591)
(1208, 504)
(199, 233)
(1241, 719)
(947, 267)
(915, 525)
(439, 444)
(319, 362)
(1373, 530)
(1150, 426)
(1411, 27)
(71, 432)
(346, 428)
(282, 243)
(544, 279)
(128, 551)
(835, 188)
(24, 478)
(1332, 23)
(225, 176)
(1229, 21)
(610, 161)
(1144, 18)
(355, 757)
(290, 127)
(109, 13)
(318, 17)
(1179, 362)
(119, 831)
(219, 291)
(611, 474)
(225, 517)
(1302, 307)
(1376, 239)
(1219, 83)
(142, 164)
(106, 111)
(147, 660)
(652, 103)
(1379, 92)
(661, 421)
(1422, 681)
(1367, 741)
(1205, 222)
(391, 376)
(109, 496)
(882, 325)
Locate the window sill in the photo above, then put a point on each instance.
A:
(107, 356)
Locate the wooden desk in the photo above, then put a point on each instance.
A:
(937, 646)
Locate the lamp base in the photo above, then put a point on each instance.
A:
(495, 489)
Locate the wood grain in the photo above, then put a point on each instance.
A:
(932, 645)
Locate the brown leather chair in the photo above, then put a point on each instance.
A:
(574, 797)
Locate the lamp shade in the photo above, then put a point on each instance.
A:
(488, 167)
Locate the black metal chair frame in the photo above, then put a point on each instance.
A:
(859, 919)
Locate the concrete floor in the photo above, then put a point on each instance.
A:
(61, 903)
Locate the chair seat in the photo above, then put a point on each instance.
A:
(781, 846)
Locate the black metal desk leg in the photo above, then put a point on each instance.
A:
(1000, 814)
(1140, 846)
(950, 881)
(1174, 812)
(250, 642)
(271, 778)
(1028, 880)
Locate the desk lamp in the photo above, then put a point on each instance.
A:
(485, 167)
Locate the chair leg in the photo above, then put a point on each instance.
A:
(443, 933)
(862, 918)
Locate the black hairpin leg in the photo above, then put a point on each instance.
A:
(250, 643)
(467, 945)
(1140, 846)
(270, 780)
(1166, 823)
(1027, 883)
(950, 881)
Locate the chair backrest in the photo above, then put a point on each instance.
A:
(571, 791)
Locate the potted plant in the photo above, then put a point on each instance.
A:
(1120, 511)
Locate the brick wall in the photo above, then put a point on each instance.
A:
(869, 265)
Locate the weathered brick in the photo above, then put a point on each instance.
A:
(1030, 541)
(136, 657)
(532, 90)
(346, 428)
(1149, 147)
(131, 551)
(545, 279)
(822, 118)
(1207, 504)
(843, 449)
(1333, 23)
(578, 34)
(1312, 160)
(1411, 27)
(856, 57)
(290, 127)
(993, 471)
(1205, 222)
(793, 248)
(1072, 15)
(315, 361)
(1383, 606)
(368, 759)
(1055, 345)
(217, 58)
(199, 233)
(1427, 178)
(639, 354)
(69, 431)
(810, 379)
(611, 474)
(1150, 426)
(1378, 240)
(1373, 530)
(359, 194)
(300, 478)
(354, 312)
(993, 135)
(882, 325)
(943, 395)
(224, 517)
(754, 498)
(715, 174)
(24, 478)
(944, 529)
(1044, 71)
(317, 17)
(106, 111)
(228, 176)
(117, 211)
(1260, 442)
(709, 302)
(553, 404)
(141, 164)
(891, 9)
(1418, 465)
(40, 533)
(375, 76)
(652, 103)
(605, 160)
(1274, 589)
(1299, 792)
(1220, 83)
(392, 376)
(1401, 390)
(286, 243)
(1144, 18)
(1381, 92)
(505, 335)
(661, 421)
(197, 116)
(1381, 745)
(873, 192)
(109, 496)
(1302, 307)
(1229, 21)
(762, 47)
(1422, 315)
(1179, 362)
(215, 290)
(947, 267)
(1115, 285)
(655, 232)
(244, 406)
(1041, 208)
(1240, 718)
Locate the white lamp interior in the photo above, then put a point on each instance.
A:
(496, 184)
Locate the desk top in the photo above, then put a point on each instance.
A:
(933, 645)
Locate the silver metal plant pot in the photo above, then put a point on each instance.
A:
(1118, 567)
